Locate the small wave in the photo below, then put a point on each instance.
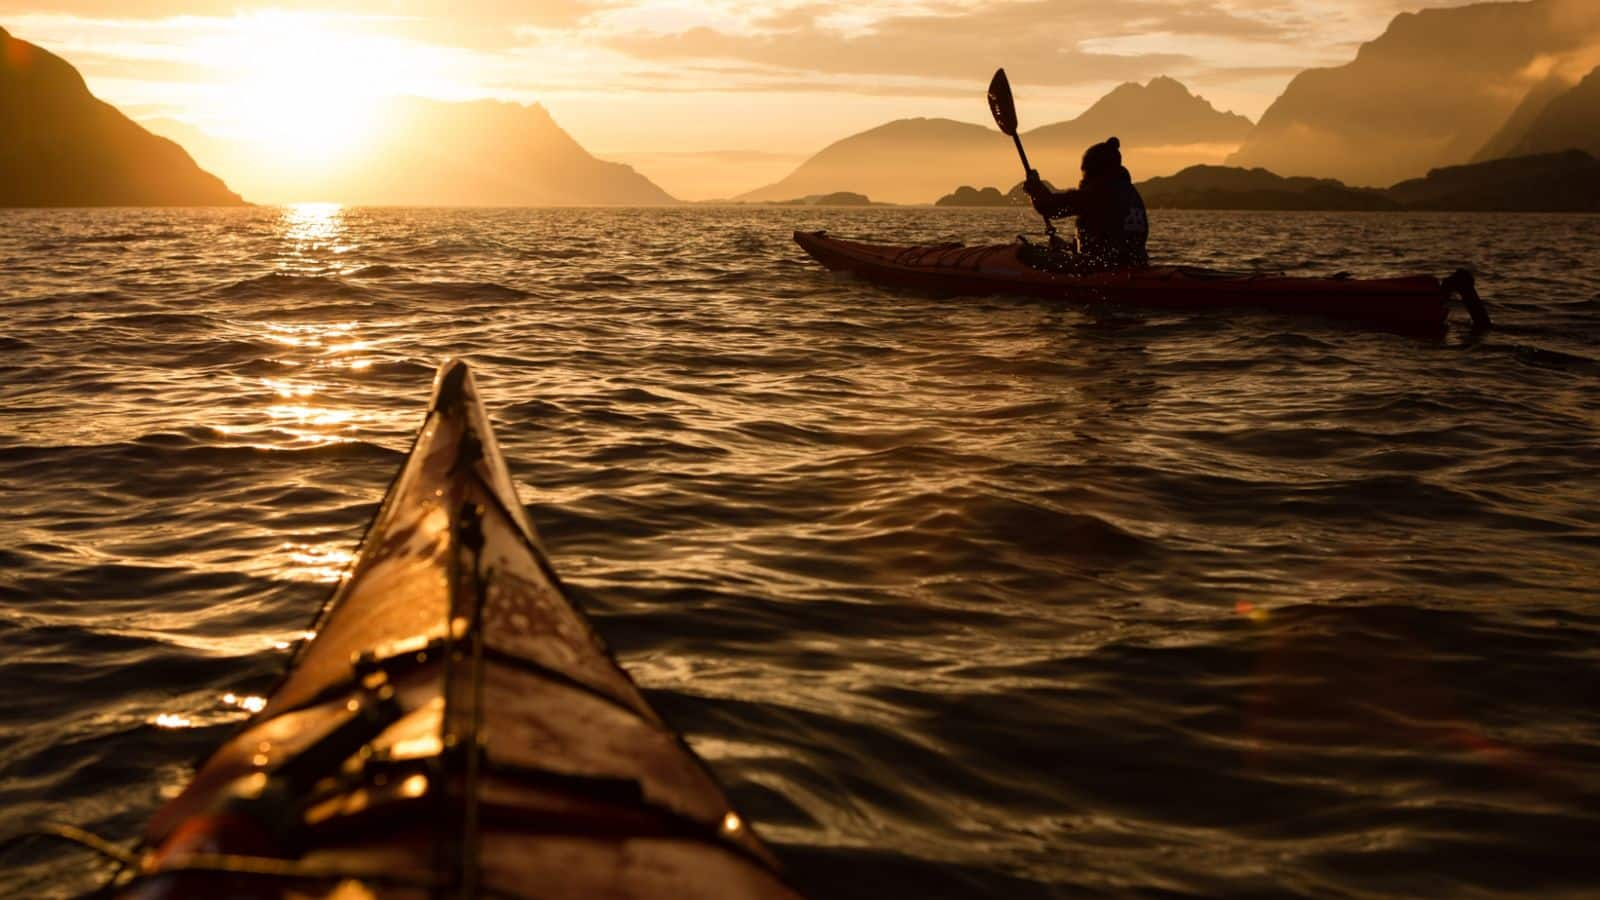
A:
(380, 271)
(1555, 359)
(460, 290)
(559, 253)
(160, 320)
(174, 450)
(278, 285)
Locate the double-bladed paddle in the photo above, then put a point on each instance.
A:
(1005, 115)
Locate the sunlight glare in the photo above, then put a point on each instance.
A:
(307, 91)
(318, 222)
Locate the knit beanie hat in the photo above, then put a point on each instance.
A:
(1103, 156)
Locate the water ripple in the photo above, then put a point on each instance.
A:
(963, 598)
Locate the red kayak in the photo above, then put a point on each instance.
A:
(1419, 302)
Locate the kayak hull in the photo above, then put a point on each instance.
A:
(1409, 303)
(454, 728)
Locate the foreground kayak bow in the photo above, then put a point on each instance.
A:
(454, 729)
(1413, 303)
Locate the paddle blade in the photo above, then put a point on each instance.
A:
(1001, 104)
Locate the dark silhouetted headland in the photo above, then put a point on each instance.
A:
(967, 195)
(1551, 182)
(1163, 128)
(1226, 187)
(61, 146)
(837, 198)
(1433, 90)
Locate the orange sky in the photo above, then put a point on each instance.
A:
(666, 80)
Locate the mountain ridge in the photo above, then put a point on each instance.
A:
(445, 153)
(1569, 121)
(1431, 90)
(551, 167)
(913, 159)
(62, 146)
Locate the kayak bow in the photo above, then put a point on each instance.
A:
(455, 728)
(1412, 303)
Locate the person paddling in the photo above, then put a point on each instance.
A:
(1112, 225)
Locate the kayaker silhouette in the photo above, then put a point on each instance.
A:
(1112, 225)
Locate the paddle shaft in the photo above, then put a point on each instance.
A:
(1027, 170)
(1017, 139)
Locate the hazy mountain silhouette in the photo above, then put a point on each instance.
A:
(490, 153)
(437, 153)
(1431, 91)
(1505, 141)
(904, 161)
(60, 146)
(1571, 120)
(1162, 127)
(1162, 113)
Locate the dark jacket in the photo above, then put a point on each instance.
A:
(1112, 226)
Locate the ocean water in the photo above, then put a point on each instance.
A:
(961, 597)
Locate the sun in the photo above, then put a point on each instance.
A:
(308, 91)
(295, 123)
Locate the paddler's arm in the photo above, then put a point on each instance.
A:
(1051, 204)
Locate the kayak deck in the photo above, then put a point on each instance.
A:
(1417, 302)
(455, 728)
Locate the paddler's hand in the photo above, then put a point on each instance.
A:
(1035, 186)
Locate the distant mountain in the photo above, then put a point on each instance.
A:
(1431, 91)
(1571, 120)
(704, 175)
(489, 153)
(906, 161)
(1225, 187)
(1550, 182)
(60, 146)
(436, 153)
(1162, 127)
(1161, 113)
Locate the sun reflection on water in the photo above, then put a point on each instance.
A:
(324, 565)
(302, 408)
(317, 222)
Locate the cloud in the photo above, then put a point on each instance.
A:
(1038, 41)
(628, 72)
(930, 55)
